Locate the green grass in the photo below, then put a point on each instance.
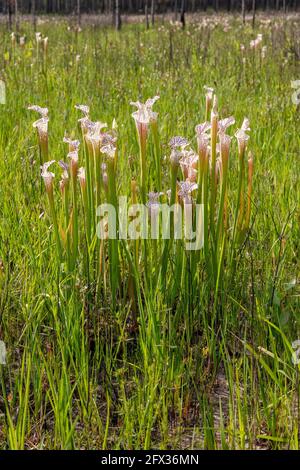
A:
(201, 356)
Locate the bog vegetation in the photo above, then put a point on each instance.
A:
(139, 343)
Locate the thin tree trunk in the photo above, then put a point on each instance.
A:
(175, 9)
(9, 13)
(152, 11)
(243, 11)
(253, 13)
(182, 14)
(146, 15)
(78, 13)
(118, 16)
(17, 15)
(33, 14)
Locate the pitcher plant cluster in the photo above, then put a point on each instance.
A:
(200, 194)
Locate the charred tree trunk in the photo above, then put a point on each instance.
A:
(78, 13)
(17, 15)
(152, 11)
(175, 9)
(182, 14)
(118, 16)
(9, 15)
(253, 13)
(243, 11)
(146, 15)
(33, 17)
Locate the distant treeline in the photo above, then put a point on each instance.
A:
(11, 7)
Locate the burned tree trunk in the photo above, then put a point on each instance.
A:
(118, 16)
(17, 15)
(175, 9)
(146, 15)
(182, 14)
(243, 11)
(152, 11)
(33, 17)
(78, 13)
(9, 14)
(253, 13)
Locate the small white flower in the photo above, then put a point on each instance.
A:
(42, 127)
(154, 198)
(65, 175)
(209, 92)
(254, 44)
(73, 144)
(175, 157)
(202, 136)
(38, 37)
(178, 141)
(108, 138)
(153, 203)
(242, 136)
(47, 175)
(224, 124)
(91, 129)
(144, 113)
(95, 128)
(42, 111)
(83, 108)
(202, 128)
(73, 156)
(185, 190)
(109, 150)
(188, 164)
